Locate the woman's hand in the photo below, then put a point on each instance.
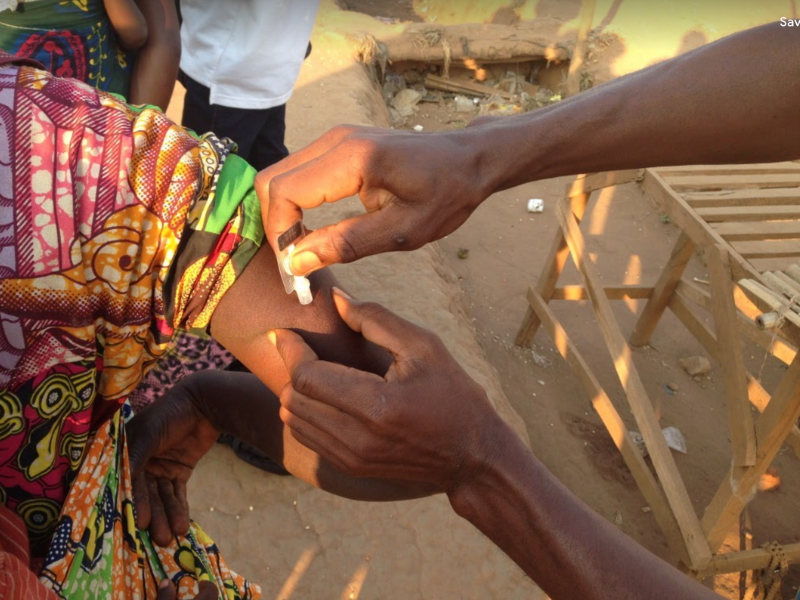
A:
(426, 420)
(415, 187)
(165, 442)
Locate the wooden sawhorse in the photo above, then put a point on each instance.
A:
(746, 219)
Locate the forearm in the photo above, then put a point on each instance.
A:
(156, 66)
(128, 22)
(715, 105)
(564, 546)
(240, 404)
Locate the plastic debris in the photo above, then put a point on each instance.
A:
(463, 253)
(535, 205)
(464, 104)
(405, 101)
(675, 439)
(418, 128)
(672, 435)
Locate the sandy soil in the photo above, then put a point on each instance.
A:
(300, 543)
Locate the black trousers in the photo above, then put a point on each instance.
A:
(259, 133)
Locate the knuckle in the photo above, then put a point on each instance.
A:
(302, 378)
(372, 311)
(346, 244)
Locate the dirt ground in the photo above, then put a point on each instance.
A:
(310, 536)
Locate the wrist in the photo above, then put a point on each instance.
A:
(482, 458)
(506, 152)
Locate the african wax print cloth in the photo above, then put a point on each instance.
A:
(71, 38)
(116, 228)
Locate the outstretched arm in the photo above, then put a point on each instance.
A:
(717, 104)
(426, 420)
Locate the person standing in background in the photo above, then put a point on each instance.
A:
(239, 64)
(126, 47)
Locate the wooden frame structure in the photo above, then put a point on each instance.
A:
(746, 219)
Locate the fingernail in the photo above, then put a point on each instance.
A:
(272, 337)
(305, 262)
(341, 292)
(165, 583)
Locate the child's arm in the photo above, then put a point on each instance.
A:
(156, 66)
(128, 21)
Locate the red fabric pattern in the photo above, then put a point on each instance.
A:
(17, 581)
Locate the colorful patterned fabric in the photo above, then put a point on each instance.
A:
(116, 227)
(189, 354)
(71, 38)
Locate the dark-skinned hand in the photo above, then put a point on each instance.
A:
(165, 442)
(167, 591)
(426, 420)
(405, 181)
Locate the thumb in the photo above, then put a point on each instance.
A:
(387, 229)
(143, 434)
(380, 326)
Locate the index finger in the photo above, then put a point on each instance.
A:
(333, 384)
(277, 208)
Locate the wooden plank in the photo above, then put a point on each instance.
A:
(763, 230)
(553, 266)
(613, 423)
(774, 196)
(458, 86)
(682, 183)
(768, 249)
(756, 394)
(748, 560)
(781, 348)
(760, 398)
(640, 404)
(613, 292)
(778, 168)
(749, 213)
(680, 308)
(688, 220)
(773, 264)
(740, 419)
(665, 287)
(740, 483)
(579, 192)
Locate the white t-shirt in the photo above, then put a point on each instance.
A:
(247, 52)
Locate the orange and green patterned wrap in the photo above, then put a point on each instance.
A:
(116, 227)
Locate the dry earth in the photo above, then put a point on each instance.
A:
(301, 543)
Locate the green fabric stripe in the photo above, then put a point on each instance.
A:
(253, 227)
(235, 182)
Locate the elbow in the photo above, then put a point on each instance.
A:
(134, 38)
